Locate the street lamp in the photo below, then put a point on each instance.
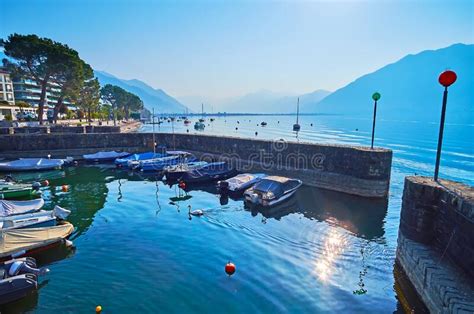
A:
(375, 96)
(447, 78)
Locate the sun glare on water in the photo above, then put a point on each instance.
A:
(334, 245)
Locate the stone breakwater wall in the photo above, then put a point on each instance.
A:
(350, 169)
(60, 129)
(436, 243)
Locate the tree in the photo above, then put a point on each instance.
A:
(89, 97)
(35, 57)
(70, 79)
(132, 103)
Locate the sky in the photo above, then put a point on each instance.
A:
(224, 49)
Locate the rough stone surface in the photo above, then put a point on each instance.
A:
(350, 169)
(436, 243)
(441, 215)
(441, 284)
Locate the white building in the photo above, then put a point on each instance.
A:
(6, 95)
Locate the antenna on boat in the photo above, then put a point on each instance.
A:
(153, 123)
(296, 126)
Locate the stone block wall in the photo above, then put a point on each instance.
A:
(436, 243)
(350, 169)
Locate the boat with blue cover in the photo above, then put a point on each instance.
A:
(159, 164)
(124, 161)
(173, 173)
(105, 156)
(211, 172)
(31, 164)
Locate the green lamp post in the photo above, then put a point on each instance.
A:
(375, 96)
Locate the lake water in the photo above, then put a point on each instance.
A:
(320, 252)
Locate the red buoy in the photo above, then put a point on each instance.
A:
(182, 184)
(447, 78)
(45, 183)
(230, 268)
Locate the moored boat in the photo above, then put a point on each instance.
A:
(42, 218)
(28, 241)
(211, 172)
(199, 125)
(31, 164)
(9, 208)
(105, 156)
(124, 161)
(239, 183)
(18, 278)
(17, 190)
(272, 190)
(158, 164)
(173, 173)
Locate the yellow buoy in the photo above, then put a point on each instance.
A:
(98, 309)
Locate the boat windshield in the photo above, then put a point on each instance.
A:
(269, 186)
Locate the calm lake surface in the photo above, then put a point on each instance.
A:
(320, 252)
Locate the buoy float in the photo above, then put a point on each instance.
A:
(65, 188)
(45, 183)
(230, 268)
(98, 309)
(182, 184)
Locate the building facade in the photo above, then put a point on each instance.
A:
(7, 96)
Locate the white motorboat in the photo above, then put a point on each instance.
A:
(272, 190)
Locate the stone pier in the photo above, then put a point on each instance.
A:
(350, 169)
(436, 243)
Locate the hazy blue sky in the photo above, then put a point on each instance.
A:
(228, 48)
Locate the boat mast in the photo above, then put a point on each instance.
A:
(297, 110)
(153, 123)
(202, 110)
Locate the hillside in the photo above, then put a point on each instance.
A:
(410, 88)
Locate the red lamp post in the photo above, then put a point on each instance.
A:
(447, 78)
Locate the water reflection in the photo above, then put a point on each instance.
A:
(361, 216)
(334, 245)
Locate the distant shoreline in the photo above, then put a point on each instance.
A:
(244, 114)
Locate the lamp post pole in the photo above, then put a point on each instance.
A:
(446, 79)
(376, 96)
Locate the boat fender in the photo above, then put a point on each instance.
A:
(68, 243)
(36, 185)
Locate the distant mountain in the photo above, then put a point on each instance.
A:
(152, 98)
(410, 88)
(265, 101)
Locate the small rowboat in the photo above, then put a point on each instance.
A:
(239, 183)
(105, 156)
(211, 172)
(123, 162)
(22, 242)
(32, 164)
(16, 190)
(42, 218)
(9, 208)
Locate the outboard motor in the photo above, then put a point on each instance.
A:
(19, 267)
(223, 186)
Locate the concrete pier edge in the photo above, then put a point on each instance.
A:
(354, 170)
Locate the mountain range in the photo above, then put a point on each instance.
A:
(410, 88)
(153, 98)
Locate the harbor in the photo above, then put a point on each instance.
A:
(355, 226)
(236, 157)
